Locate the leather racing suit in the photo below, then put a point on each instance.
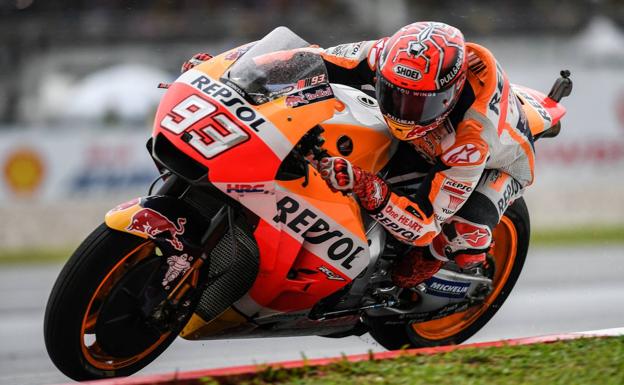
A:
(476, 163)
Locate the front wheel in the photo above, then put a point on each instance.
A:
(511, 243)
(105, 316)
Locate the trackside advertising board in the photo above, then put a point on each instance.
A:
(43, 167)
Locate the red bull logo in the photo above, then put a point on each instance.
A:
(152, 223)
(296, 100)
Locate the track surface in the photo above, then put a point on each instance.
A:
(560, 290)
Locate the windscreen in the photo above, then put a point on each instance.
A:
(280, 63)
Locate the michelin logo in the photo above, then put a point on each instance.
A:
(448, 289)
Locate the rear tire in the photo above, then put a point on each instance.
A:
(96, 275)
(457, 328)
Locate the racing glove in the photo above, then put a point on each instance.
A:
(196, 60)
(340, 175)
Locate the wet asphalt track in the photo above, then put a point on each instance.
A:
(560, 290)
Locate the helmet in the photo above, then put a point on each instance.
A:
(420, 75)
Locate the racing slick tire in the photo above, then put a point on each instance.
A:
(96, 322)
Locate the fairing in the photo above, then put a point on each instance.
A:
(541, 111)
(311, 240)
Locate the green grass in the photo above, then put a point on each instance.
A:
(579, 236)
(35, 255)
(585, 361)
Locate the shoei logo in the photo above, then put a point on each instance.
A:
(406, 72)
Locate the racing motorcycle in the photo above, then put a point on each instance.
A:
(244, 239)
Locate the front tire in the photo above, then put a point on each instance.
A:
(511, 243)
(96, 322)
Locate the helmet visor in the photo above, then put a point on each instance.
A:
(413, 107)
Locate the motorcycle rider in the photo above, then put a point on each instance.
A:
(452, 104)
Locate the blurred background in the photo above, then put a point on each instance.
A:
(78, 93)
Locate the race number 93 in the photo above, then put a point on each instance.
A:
(219, 133)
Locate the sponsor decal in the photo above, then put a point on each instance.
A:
(296, 100)
(282, 91)
(417, 132)
(245, 188)
(152, 223)
(349, 51)
(535, 104)
(456, 188)
(466, 154)
(478, 239)
(454, 203)
(178, 265)
(355, 48)
(496, 98)
(405, 226)
(316, 230)
(330, 274)
(232, 100)
(310, 95)
(338, 50)
(313, 81)
(448, 78)
(511, 191)
(24, 171)
(407, 72)
(448, 289)
(235, 87)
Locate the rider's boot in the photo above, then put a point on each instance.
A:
(416, 267)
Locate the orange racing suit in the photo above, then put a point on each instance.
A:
(477, 163)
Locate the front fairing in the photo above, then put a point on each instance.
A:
(239, 118)
(240, 114)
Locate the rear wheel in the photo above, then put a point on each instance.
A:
(511, 242)
(106, 315)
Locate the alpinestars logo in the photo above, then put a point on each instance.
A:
(466, 154)
(476, 238)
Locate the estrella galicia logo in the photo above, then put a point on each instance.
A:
(448, 289)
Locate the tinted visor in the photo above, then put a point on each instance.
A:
(413, 107)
